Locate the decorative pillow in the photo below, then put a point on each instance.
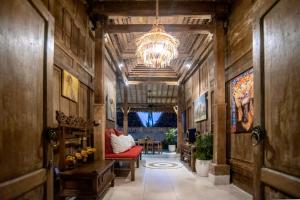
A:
(131, 140)
(108, 147)
(120, 143)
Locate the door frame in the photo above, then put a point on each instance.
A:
(18, 186)
(262, 175)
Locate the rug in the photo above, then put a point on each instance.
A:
(163, 165)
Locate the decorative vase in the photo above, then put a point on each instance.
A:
(172, 147)
(202, 167)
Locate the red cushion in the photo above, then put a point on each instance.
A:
(108, 147)
(134, 152)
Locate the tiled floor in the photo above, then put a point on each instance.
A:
(170, 184)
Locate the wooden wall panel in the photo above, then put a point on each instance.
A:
(74, 42)
(239, 34)
(81, 101)
(56, 91)
(239, 59)
(197, 84)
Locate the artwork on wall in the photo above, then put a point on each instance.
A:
(200, 108)
(110, 108)
(241, 95)
(110, 102)
(70, 86)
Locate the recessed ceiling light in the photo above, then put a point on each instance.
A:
(121, 65)
(188, 65)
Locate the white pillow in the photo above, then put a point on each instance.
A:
(120, 143)
(131, 140)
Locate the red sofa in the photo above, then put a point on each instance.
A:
(132, 155)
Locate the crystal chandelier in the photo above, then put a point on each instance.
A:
(157, 48)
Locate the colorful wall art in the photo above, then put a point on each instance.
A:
(242, 103)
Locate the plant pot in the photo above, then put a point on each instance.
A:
(202, 167)
(172, 147)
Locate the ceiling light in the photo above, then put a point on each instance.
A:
(121, 65)
(188, 65)
(157, 48)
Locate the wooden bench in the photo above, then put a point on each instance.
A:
(131, 156)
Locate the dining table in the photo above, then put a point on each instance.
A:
(150, 145)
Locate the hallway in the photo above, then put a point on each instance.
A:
(170, 184)
(87, 85)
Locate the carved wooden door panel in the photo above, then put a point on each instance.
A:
(277, 91)
(26, 56)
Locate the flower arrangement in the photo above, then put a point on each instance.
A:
(90, 150)
(70, 161)
(81, 156)
(78, 156)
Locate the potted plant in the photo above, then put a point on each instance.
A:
(171, 139)
(204, 153)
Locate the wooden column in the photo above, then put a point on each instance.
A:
(99, 97)
(125, 110)
(219, 166)
(179, 117)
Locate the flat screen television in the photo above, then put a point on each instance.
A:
(191, 135)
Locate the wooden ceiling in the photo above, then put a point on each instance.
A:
(146, 96)
(189, 21)
(123, 44)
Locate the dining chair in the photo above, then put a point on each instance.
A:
(157, 146)
(142, 142)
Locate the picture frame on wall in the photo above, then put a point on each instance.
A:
(110, 101)
(70, 86)
(242, 102)
(200, 108)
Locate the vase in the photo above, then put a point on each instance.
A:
(202, 167)
(171, 147)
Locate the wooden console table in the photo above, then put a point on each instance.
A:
(88, 181)
(187, 155)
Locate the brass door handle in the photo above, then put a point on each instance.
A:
(257, 135)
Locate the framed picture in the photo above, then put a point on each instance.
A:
(200, 108)
(110, 101)
(241, 103)
(110, 108)
(70, 86)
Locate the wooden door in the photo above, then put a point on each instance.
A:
(277, 95)
(26, 56)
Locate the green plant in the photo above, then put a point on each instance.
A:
(171, 135)
(204, 147)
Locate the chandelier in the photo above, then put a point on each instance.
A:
(157, 48)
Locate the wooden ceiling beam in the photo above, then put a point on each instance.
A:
(150, 79)
(129, 28)
(146, 105)
(166, 8)
(136, 82)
